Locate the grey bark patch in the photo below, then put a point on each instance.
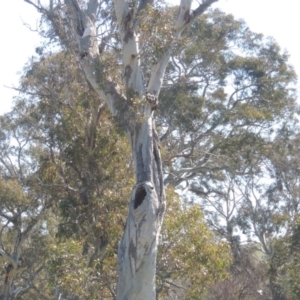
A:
(127, 74)
(187, 17)
(132, 250)
(140, 167)
(140, 195)
(128, 35)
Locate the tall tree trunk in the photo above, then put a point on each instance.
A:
(138, 248)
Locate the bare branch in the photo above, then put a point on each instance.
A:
(1, 231)
(158, 73)
(202, 8)
(175, 285)
(38, 7)
(63, 186)
(22, 289)
(9, 258)
(184, 18)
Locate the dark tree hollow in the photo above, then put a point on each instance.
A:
(139, 197)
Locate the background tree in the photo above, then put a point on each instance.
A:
(24, 206)
(69, 164)
(228, 97)
(190, 257)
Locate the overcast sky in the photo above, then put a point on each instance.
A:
(279, 19)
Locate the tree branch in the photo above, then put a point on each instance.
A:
(9, 258)
(132, 74)
(202, 8)
(184, 18)
(38, 7)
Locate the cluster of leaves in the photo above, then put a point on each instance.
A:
(190, 257)
(228, 123)
(76, 158)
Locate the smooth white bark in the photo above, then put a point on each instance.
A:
(137, 251)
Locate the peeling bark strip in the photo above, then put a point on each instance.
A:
(159, 169)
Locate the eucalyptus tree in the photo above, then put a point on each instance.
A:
(83, 169)
(55, 165)
(273, 212)
(268, 218)
(83, 157)
(24, 209)
(132, 100)
(225, 94)
(228, 96)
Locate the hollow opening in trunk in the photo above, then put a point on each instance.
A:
(140, 195)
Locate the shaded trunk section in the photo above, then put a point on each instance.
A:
(138, 247)
(9, 276)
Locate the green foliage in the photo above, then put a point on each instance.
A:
(284, 265)
(81, 163)
(228, 121)
(190, 257)
(88, 191)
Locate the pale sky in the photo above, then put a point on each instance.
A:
(279, 19)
